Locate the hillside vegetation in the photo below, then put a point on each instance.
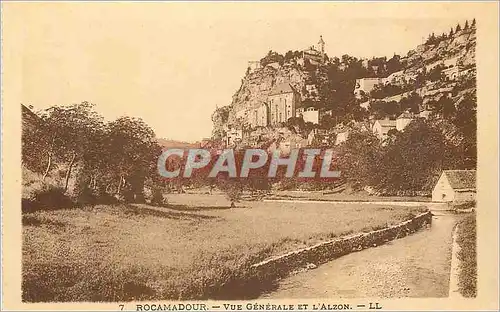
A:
(435, 84)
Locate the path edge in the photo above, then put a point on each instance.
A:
(454, 289)
(330, 250)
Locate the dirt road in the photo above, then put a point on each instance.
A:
(415, 266)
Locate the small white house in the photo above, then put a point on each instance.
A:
(403, 120)
(382, 127)
(455, 186)
(311, 114)
(342, 137)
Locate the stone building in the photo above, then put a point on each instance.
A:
(382, 127)
(366, 85)
(455, 186)
(260, 116)
(403, 120)
(253, 66)
(282, 101)
(342, 137)
(451, 73)
(233, 136)
(314, 55)
(310, 114)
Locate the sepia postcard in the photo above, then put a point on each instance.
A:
(250, 156)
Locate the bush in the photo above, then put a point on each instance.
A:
(84, 195)
(232, 188)
(157, 197)
(46, 196)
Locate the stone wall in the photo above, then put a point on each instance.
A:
(329, 250)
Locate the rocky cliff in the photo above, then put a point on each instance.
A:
(456, 49)
(256, 86)
(460, 45)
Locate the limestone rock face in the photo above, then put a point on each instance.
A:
(461, 44)
(457, 50)
(256, 86)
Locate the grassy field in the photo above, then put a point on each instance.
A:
(194, 249)
(467, 278)
(342, 196)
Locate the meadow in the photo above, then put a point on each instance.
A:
(194, 248)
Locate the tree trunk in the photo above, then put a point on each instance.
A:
(68, 172)
(49, 163)
(119, 186)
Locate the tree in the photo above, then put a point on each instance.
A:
(272, 57)
(451, 33)
(466, 26)
(71, 131)
(436, 73)
(358, 159)
(36, 152)
(134, 150)
(412, 103)
(473, 22)
(431, 39)
(445, 107)
(458, 28)
(290, 55)
(383, 109)
(296, 122)
(413, 160)
(466, 121)
(394, 64)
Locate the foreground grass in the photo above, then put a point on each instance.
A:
(186, 251)
(467, 278)
(341, 196)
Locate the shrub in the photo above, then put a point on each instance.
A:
(232, 188)
(157, 197)
(46, 196)
(84, 195)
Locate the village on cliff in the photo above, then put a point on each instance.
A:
(306, 98)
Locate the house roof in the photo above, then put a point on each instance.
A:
(281, 88)
(311, 51)
(406, 115)
(461, 179)
(387, 123)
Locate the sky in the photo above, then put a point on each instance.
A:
(172, 63)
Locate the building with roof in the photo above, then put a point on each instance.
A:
(314, 55)
(259, 116)
(455, 186)
(233, 136)
(253, 66)
(381, 127)
(319, 137)
(451, 73)
(310, 114)
(282, 100)
(366, 85)
(342, 137)
(403, 120)
(287, 144)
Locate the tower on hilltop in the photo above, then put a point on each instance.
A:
(321, 46)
